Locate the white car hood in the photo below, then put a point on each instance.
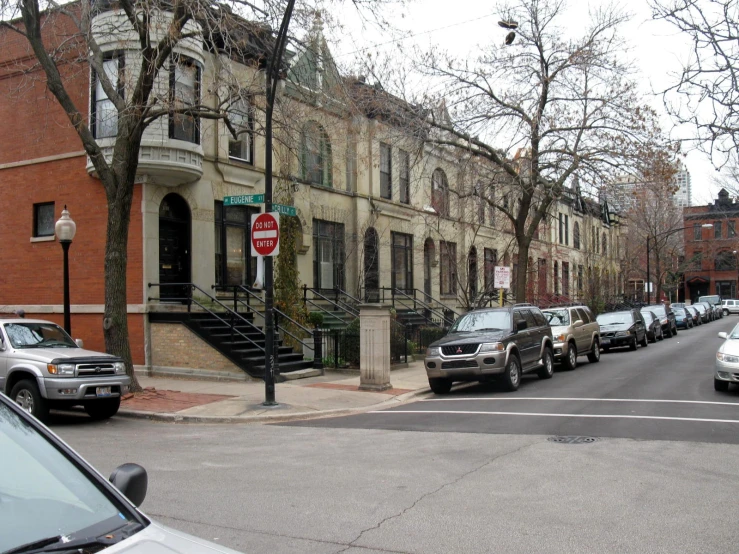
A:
(47, 354)
(730, 346)
(158, 539)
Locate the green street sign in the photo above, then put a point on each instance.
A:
(243, 199)
(284, 210)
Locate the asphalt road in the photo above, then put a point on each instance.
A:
(501, 485)
(662, 392)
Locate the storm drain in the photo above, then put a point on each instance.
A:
(573, 440)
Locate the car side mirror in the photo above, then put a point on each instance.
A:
(521, 326)
(79, 343)
(132, 481)
(722, 335)
(578, 323)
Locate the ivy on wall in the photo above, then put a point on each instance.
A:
(288, 288)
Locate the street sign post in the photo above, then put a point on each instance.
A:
(265, 234)
(243, 199)
(501, 280)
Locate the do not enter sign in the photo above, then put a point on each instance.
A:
(265, 234)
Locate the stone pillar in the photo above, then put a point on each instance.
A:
(374, 347)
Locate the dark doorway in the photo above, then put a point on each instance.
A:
(428, 258)
(174, 248)
(371, 266)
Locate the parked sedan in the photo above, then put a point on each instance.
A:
(683, 319)
(625, 328)
(666, 318)
(705, 314)
(727, 361)
(51, 500)
(693, 311)
(654, 329)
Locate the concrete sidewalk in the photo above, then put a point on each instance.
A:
(184, 400)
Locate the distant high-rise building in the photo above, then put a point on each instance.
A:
(682, 181)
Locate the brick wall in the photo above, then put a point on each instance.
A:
(174, 345)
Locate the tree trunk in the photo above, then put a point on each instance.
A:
(115, 322)
(523, 269)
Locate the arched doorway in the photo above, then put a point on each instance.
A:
(472, 275)
(429, 251)
(174, 247)
(371, 266)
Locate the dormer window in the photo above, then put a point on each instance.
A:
(316, 155)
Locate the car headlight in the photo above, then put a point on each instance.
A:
(492, 347)
(120, 368)
(560, 338)
(622, 333)
(432, 351)
(721, 357)
(63, 370)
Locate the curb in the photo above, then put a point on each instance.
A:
(270, 418)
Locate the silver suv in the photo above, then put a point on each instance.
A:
(730, 306)
(576, 333)
(41, 367)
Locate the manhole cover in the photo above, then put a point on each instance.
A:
(573, 440)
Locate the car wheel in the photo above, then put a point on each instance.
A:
(570, 362)
(632, 344)
(652, 338)
(720, 385)
(645, 341)
(440, 385)
(726, 312)
(674, 330)
(547, 367)
(512, 373)
(594, 354)
(26, 394)
(661, 335)
(103, 409)
(669, 332)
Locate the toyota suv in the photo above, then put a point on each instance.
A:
(575, 333)
(492, 343)
(41, 367)
(730, 306)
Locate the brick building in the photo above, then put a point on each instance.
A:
(712, 252)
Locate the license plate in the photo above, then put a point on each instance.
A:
(102, 391)
(605, 342)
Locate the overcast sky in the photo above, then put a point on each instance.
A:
(461, 25)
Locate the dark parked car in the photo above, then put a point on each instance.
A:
(625, 328)
(713, 300)
(654, 329)
(693, 311)
(492, 343)
(666, 318)
(682, 318)
(703, 311)
(710, 312)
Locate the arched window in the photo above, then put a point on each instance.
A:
(316, 155)
(604, 245)
(440, 192)
(576, 236)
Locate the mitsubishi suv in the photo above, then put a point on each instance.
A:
(489, 344)
(575, 333)
(41, 367)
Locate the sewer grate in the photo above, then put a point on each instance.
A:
(573, 440)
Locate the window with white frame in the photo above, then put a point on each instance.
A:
(386, 171)
(184, 91)
(440, 192)
(448, 268)
(316, 155)
(241, 116)
(104, 117)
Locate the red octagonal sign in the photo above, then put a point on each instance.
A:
(265, 234)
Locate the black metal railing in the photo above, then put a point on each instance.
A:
(438, 314)
(311, 295)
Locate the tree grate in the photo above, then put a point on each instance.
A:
(573, 440)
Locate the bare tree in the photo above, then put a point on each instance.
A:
(705, 94)
(562, 108)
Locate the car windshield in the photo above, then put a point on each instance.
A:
(38, 335)
(710, 299)
(659, 311)
(700, 307)
(44, 495)
(648, 317)
(482, 321)
(614, 318)
(557, 317)
(734, 335)
(679, 311)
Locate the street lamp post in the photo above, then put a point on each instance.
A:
(65, 229)
(665, 233)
